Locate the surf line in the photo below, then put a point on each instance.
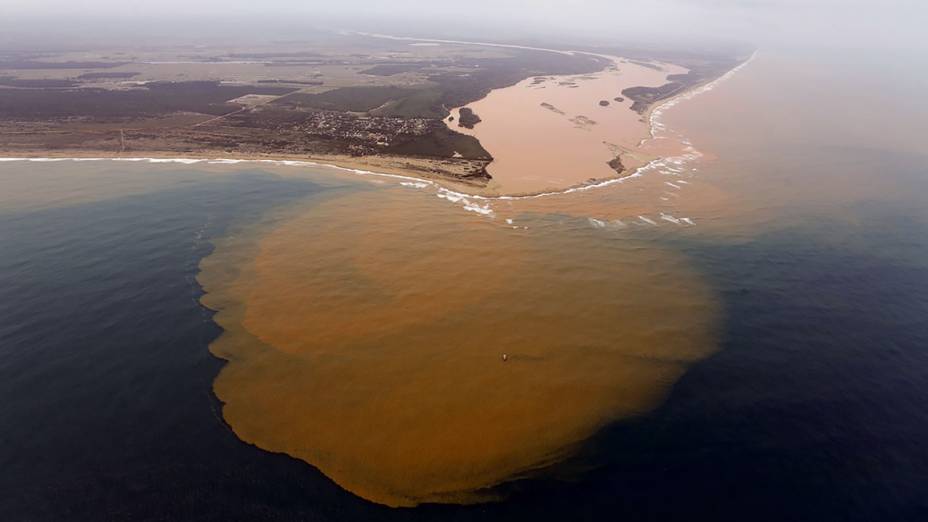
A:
(654, 118)
(419, 182)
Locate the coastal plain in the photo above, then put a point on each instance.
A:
(353, 100)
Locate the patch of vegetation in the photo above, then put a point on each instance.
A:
(31, 64)
(293, 82)
(468, 118)
(647, 65)
(616, 165)
(643, 97)
(260, 56)
(156, 98)
(390, 69)
(7, 81)
(423, 103)
(441, 142)
(108, 75)
(352, 99)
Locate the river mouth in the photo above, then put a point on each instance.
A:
(550, 133)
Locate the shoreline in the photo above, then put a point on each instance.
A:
(687, 94)
(438, 182)
(395, 167)
(387, 167)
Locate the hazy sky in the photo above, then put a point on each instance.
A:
(865, 23)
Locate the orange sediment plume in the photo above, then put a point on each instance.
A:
(364, 334)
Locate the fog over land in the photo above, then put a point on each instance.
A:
(845, 24)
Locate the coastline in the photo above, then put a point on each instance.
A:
(395, 167)
(443, 184)
(398, 167)
(653, 113)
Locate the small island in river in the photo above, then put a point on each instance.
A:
(467, 118)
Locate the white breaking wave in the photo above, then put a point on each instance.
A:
(174, 160)
(410, 181)
(676, 220)
(443, 192)
(599, 223)
(480, 209)
(232, 161)
(579, 188)
(223, 161)
(471, 206)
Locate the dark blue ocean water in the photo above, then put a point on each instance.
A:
(815, 408)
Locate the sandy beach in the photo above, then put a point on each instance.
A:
(401, 166)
